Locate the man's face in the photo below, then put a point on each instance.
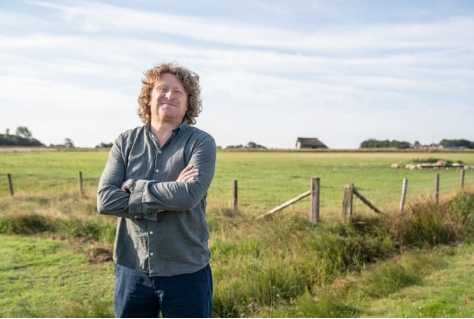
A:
(168, 101)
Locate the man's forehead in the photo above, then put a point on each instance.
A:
(166, 78)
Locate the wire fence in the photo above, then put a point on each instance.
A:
(256, 197)
(385, 195)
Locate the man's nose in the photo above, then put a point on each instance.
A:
(169, 94)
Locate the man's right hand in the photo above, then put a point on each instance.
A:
(188, 174)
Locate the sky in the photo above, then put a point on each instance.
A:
(271, 71)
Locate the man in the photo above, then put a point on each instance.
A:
(155, 181)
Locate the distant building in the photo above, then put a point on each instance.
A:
(432, 146)
(309, 142)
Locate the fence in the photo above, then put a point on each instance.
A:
(323, 194)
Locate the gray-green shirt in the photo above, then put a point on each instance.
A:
(174, 240)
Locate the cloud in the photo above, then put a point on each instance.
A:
(269, 82)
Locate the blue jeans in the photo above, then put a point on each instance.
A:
(141, 296)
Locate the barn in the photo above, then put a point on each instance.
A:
(309, 142)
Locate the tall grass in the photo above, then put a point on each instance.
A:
(261, 265)
(262, 268)
(66, 215)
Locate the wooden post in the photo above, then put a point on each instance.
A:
(462, 178)
(436, 194)
(80, 183)
(315, 195)
(10, 184)
(404, 194)
(236, 195)
(347, 201)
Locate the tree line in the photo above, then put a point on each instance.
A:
(445, 143)
(24, 137)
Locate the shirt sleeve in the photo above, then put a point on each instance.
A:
(111, 199)
(151, 196)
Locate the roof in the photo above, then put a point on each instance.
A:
(310, 142)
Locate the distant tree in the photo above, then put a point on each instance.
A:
(7, 132)
(251, 145)
(15, 140)
(254, 145)
(400, 145)
(68, 143)
(104, 145)
(373, 143)
(457, 143)
(23, 131)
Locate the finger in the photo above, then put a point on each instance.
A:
(190, 172)
(188, 175)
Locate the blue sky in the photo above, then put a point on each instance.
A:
(271, 70)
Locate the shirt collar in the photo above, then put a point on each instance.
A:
(182, 127)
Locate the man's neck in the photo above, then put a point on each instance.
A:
(162, 130)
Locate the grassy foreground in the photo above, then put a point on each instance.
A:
(41, 287)
(418, 265)
(56, 252)
(43, 278)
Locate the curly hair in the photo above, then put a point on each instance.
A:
(190, 81)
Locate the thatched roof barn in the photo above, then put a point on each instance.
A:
(309, 142)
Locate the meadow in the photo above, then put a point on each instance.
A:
(265, 179)
(57, 248)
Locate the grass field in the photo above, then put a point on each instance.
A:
(42, 277)
(282, 266)
(265, 179)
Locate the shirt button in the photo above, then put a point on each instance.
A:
(159, 152)
(151, 233)
(151, 254)
(157, 170)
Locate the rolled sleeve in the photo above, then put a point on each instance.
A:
(136, 205)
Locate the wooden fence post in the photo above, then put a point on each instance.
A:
(80, 183)
(10, 184)
(404, 194)
(236, 195)
(462, 178)
(347, 201)
(436, 194)
(315, 195)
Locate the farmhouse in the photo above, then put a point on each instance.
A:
(309, 142)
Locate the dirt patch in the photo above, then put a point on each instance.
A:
(96, 252)
(99, 255)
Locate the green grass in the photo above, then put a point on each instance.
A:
(445, 291)
(265, 179)
(42, 277)
(281, 266)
